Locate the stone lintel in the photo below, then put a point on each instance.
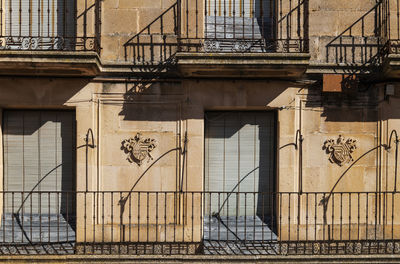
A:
(49, 63)
(278, 65)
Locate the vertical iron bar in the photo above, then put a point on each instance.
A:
(10, 21)
(306, 218)
(12, 217)
(102, 222)
(58, 212)
(30, 198)
(48, 19)
(112, 220)
(85, 25)
(85, 222)
(94, 218)
(243, 18)
(201, 229)
(138, 218)
(219, 222)
(392, 223)
(147, 219)
(234, 19)
(215, 19)
(130, 218)
(67, 217)
(341, 216)
(187, 19)
(332, 237)
(350, 216)
(5, 197)
(49, 216)
(156, 217)
(315, 217)
(289, 216)
(20, 19)
(38, 19)
(224, 19)
(280, 220)
(358, 216)
(22, 217)
(165, 217)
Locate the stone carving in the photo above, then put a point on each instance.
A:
(139, 148)
(340, 151)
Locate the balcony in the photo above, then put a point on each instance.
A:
(55, 37)
(199, 223)
(214, 38)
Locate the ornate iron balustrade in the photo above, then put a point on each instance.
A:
(250, 223)
(58, 25)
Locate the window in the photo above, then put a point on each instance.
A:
(38, 24)
(239, 24)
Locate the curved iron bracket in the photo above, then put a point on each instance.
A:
(388, 147)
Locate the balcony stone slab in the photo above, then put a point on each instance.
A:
(49, 63)
(243, 65)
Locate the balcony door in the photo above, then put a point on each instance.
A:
(38, 24)
(39, 177)
(239, 176)
(239, 25)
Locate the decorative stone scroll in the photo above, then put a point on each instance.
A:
(340, 151)
(139, 148)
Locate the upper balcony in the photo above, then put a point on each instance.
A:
(214, 38)
(52, 37)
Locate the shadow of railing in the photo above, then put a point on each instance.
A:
(360, 43)
(155, 45)
(292, 29)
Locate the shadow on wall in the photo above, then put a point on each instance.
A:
(40, 93)
(150, 100)
(353, 104)
(154, 46)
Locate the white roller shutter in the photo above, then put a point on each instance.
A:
(38, 145)
(239, 157)
(239, 19)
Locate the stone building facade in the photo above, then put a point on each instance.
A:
(200, 126)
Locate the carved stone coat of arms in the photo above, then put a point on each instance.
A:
(340, 151)
(139, 148)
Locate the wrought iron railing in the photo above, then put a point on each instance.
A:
(223, 26)
(58, 25)
(249, 223)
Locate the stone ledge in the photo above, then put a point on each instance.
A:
(289, 65)
(334, 68)
(49, 63)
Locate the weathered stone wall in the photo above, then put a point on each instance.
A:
(166, 110)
